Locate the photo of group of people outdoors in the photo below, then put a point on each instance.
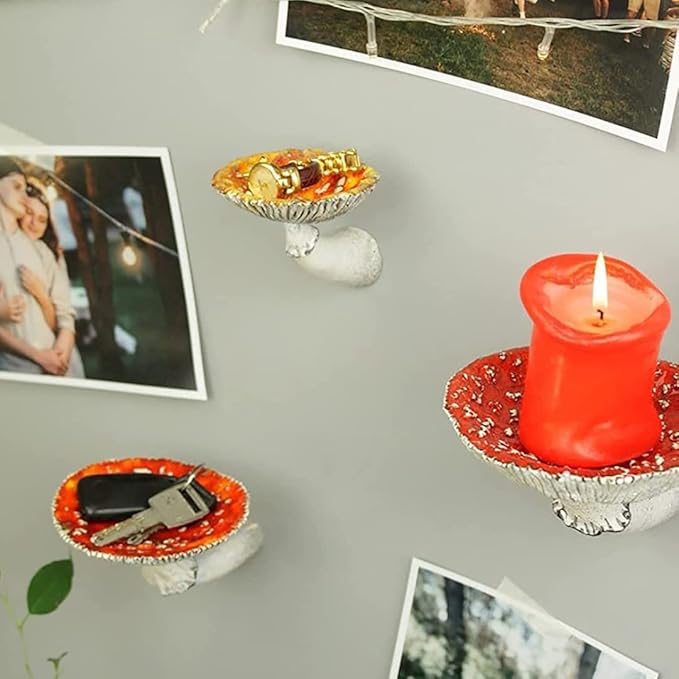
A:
(94, 287)
(619, 81)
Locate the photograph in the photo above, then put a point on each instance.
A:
(95, 286)
(625, 84)
(454, 628)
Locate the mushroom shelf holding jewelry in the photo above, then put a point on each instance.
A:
(301, 188)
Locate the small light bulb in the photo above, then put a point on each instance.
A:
(51, 193)
(129, 255)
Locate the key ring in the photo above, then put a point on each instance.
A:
(185, 481)
(192, 475)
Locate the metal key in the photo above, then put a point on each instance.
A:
(143, 537)
(183, 482)
(171, 508)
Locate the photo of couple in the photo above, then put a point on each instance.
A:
(37, 331)
(94, 283)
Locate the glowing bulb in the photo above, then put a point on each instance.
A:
(51, 193)
(129, 255)
(600, 285)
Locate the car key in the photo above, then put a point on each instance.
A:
(177, 506)
(114, 497)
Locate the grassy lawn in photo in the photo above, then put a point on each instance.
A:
(593, 73)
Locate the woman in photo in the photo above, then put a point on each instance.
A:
(650, 10)
(26, 340)
(53, 291)
(601, 9)
(519, 7)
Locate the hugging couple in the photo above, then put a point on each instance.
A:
(37, 320)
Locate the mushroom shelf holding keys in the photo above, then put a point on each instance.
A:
(183, 524)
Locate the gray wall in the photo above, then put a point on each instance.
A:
(325, 401)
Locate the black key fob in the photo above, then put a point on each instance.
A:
(114, 497)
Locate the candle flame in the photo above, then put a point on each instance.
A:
(600, 284)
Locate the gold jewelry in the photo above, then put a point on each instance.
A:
(336, 163)
(268, 182)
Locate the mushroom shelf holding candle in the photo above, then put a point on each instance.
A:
(587, 400)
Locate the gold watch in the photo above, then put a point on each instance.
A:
(267, 181)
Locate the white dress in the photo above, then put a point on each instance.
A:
(17, 249)
(59, 290)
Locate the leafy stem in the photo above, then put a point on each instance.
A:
(56, 662)
(19, 624)
(46, 592)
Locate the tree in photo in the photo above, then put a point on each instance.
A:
(93, 257)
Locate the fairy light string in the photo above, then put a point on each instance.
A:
(372, 12)
(118, 224)
(123, 228)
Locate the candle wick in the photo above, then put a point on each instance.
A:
(601, 314)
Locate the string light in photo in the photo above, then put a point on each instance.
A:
(550, 24)
(51, 193)
(129, 253)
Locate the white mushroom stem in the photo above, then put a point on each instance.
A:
(350, 256)
(180, 576)
(300, 239)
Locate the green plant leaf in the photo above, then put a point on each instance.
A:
(49, 587)
(57, 661)
(56, 664)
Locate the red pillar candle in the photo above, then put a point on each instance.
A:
(593, 353)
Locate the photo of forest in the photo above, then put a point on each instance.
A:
(456, 631)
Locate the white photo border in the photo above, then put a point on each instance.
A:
(418, 564)
(659, 143)
(199, 393)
